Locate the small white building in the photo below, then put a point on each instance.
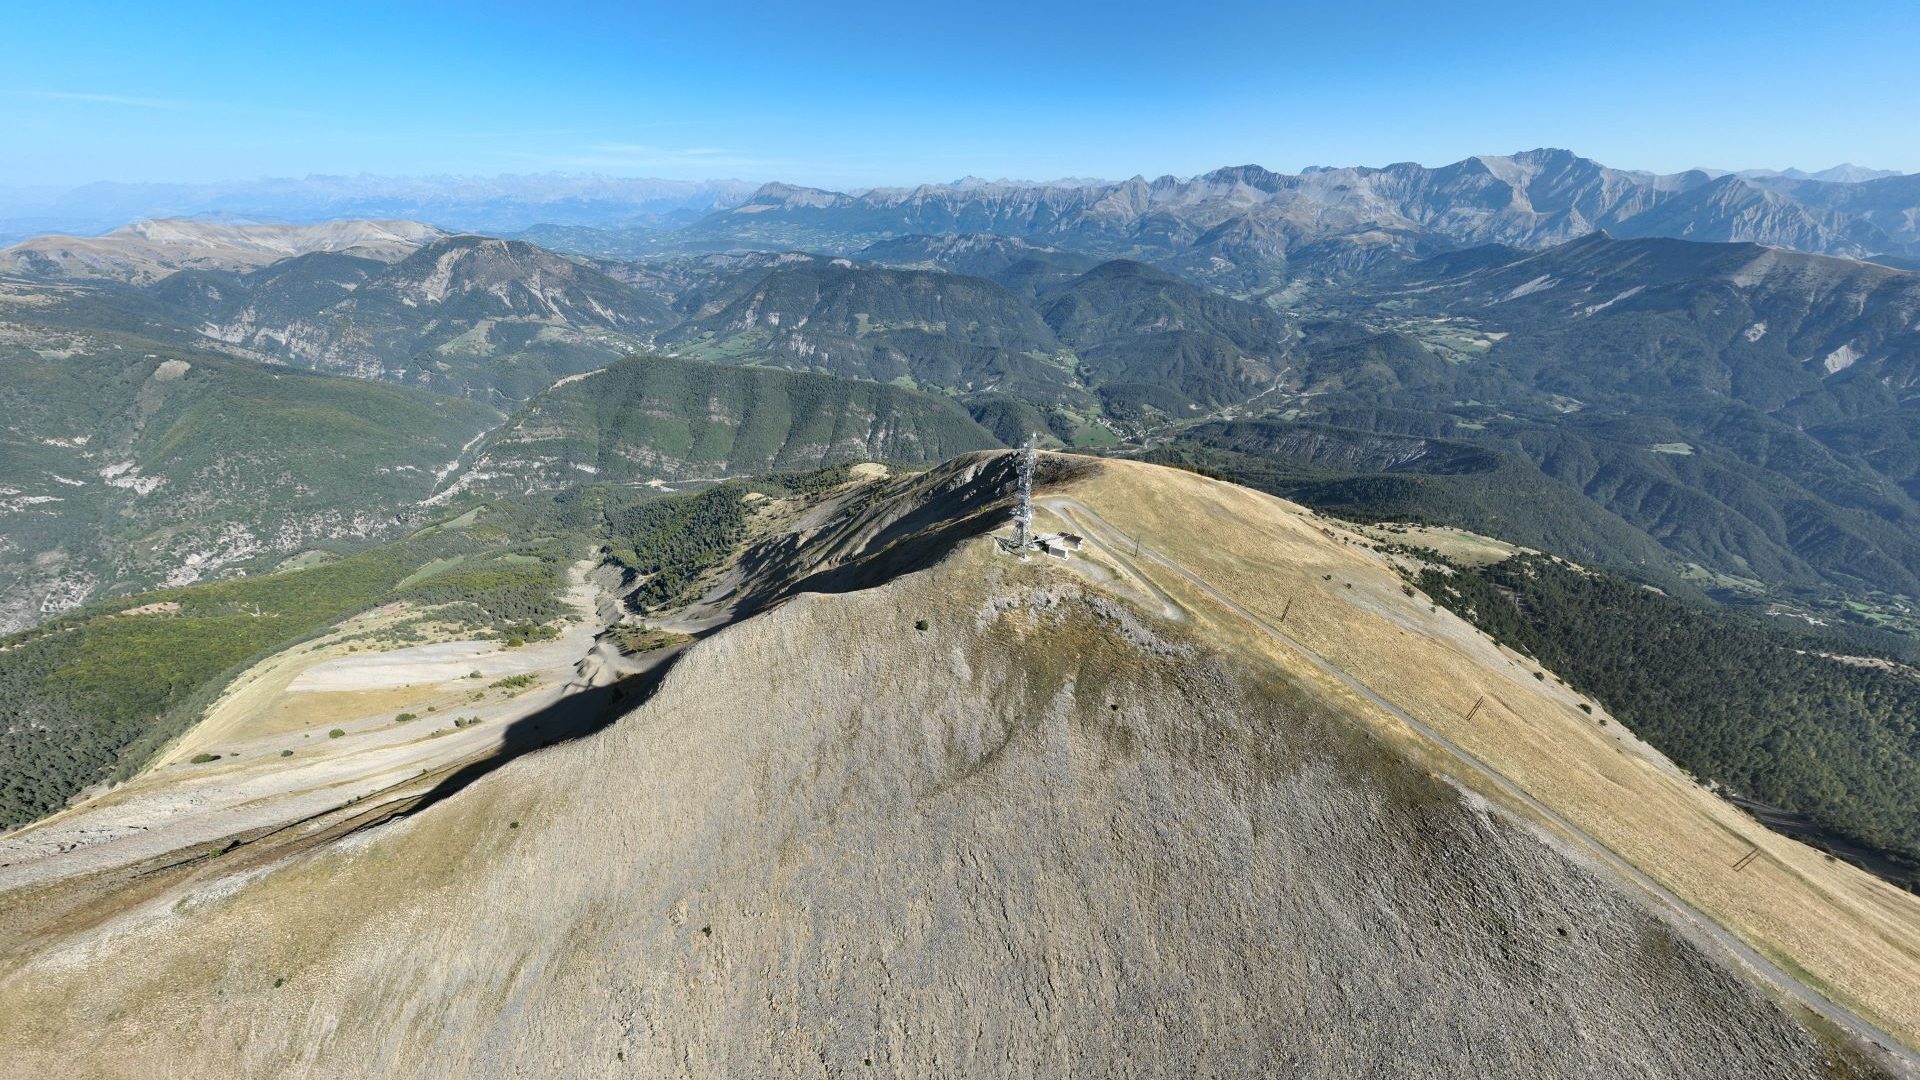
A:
(1058, 545)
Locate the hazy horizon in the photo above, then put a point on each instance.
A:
(910, 182)
(878, 96)
(475, 202)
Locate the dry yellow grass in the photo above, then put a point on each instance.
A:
(1469, 548)
(1846, 932)
(257, 704)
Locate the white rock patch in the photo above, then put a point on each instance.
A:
(1629, 294)
(1544, 281)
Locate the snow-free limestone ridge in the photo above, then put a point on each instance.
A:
(911, 808)
(147, 251)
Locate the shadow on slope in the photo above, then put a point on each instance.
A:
(574, 716)
(882, 531)
(876, 533)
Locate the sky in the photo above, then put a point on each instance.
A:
(854, 94)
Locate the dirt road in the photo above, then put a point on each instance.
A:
(178, 806)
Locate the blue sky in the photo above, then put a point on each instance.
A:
(856, 93)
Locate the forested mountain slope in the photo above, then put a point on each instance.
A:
(471, 316)
(123, 468)
(1145, 337)
(652, 418)
(1781, 716)
(921, 328)
(1750, 409)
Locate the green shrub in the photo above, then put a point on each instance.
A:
(335, 733)
(1757, 707)
(675, 540)
(404, 717)
(632, 639)
(202, 759)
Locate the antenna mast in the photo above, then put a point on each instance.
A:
(1023, 503)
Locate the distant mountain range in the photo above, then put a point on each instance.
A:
(147, 251)
(1248, 224)
(456, 203)
(1243, 222)
(1511, 344)
(462, 314)
(1839, 174)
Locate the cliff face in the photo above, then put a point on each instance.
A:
(989, 818)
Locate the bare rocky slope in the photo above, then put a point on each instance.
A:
(1247, 223)
(982, 818)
